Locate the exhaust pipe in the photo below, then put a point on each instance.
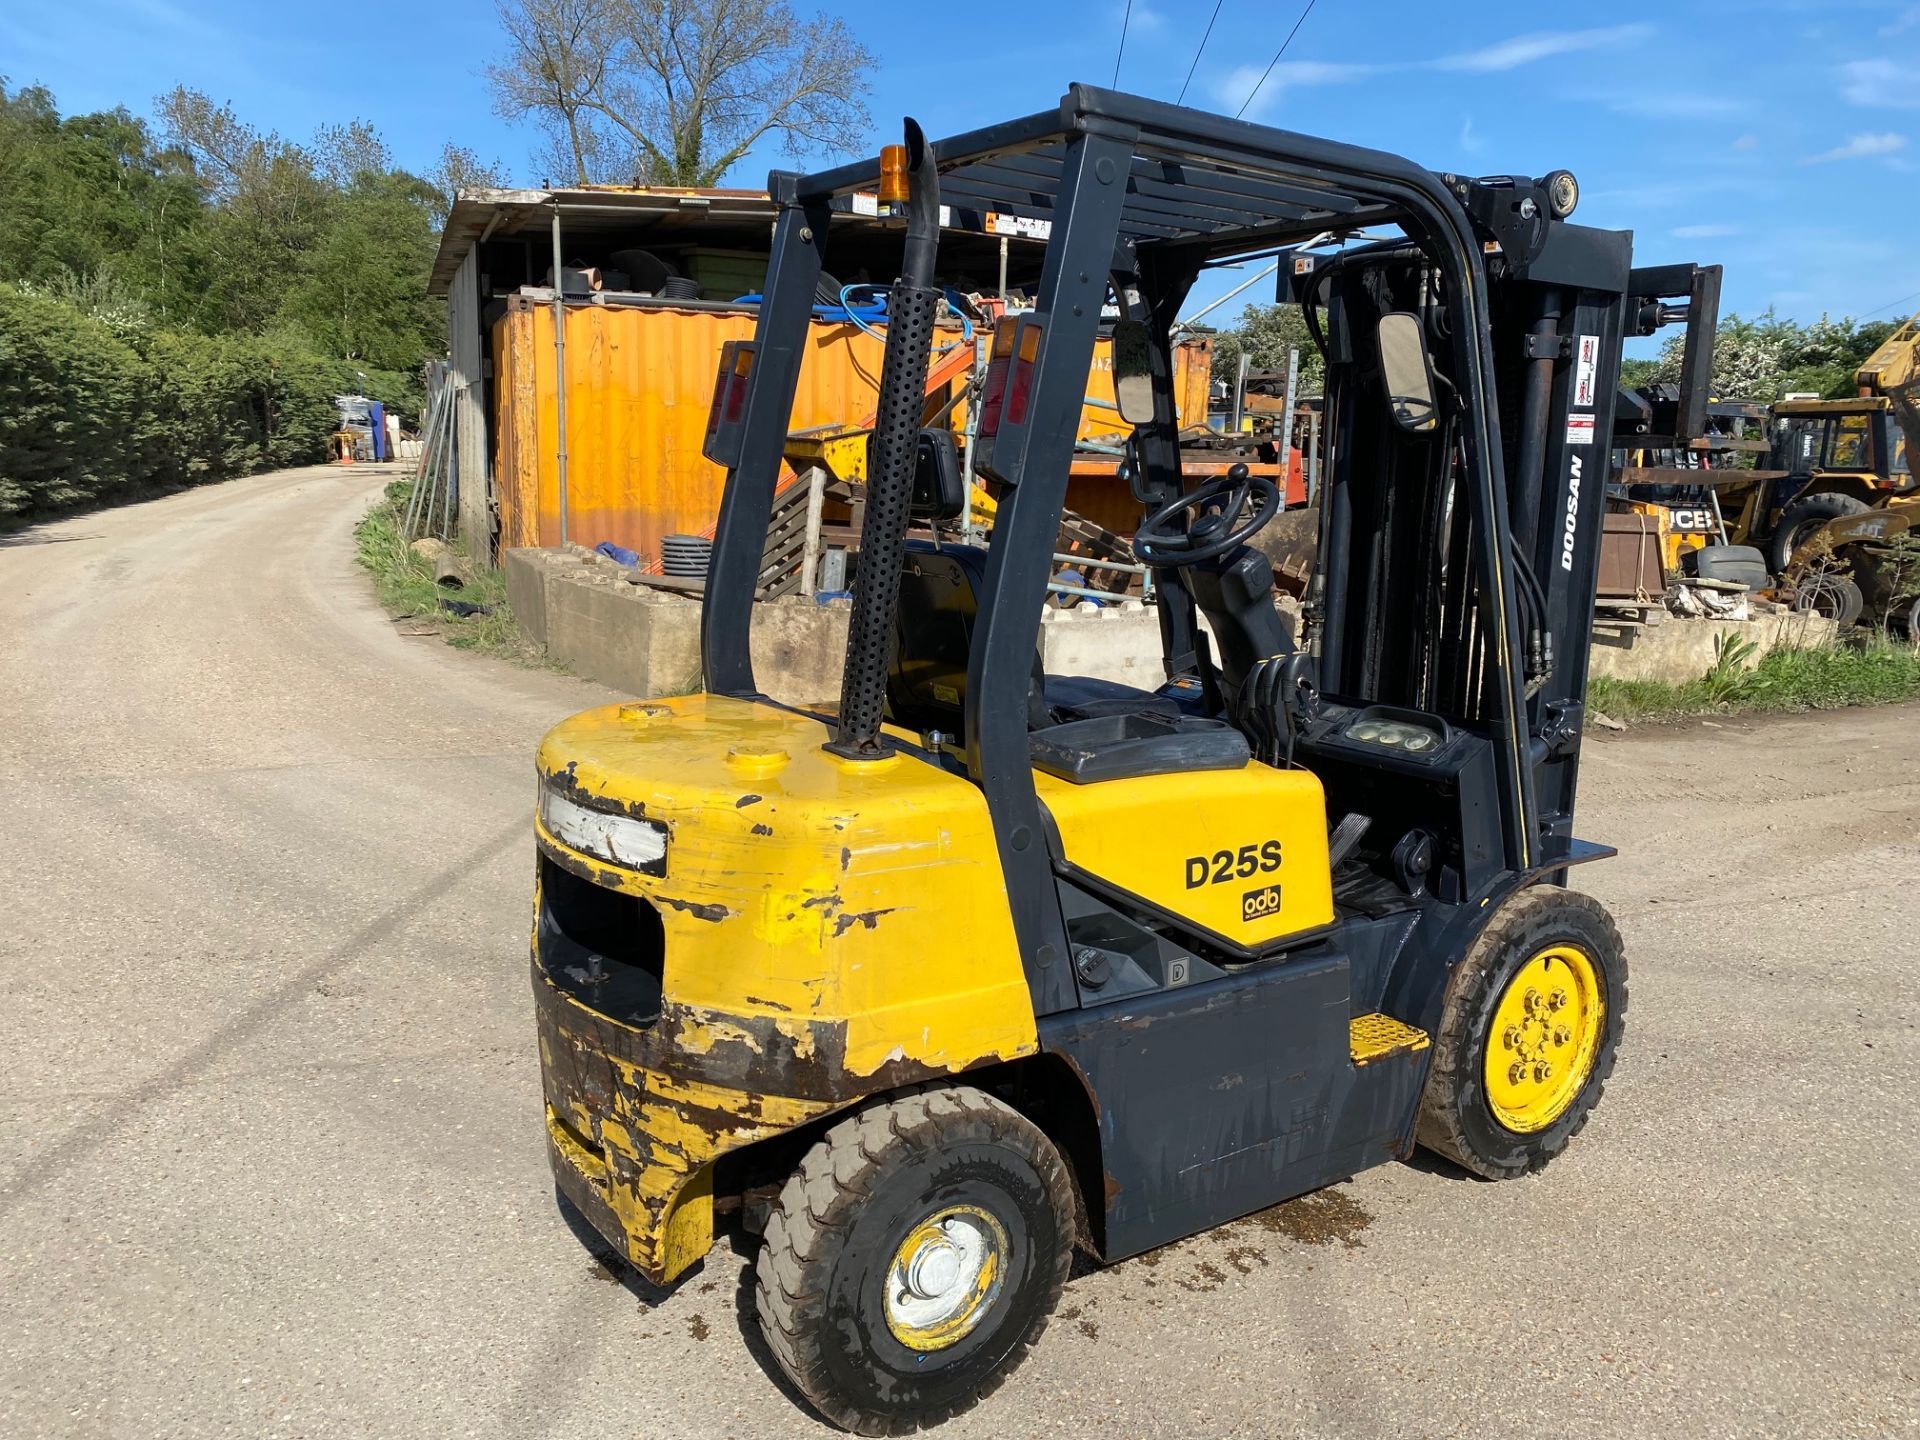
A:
(912, 304)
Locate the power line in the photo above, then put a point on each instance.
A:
(1276, 58)
(1904, 299)
(1124, 21)
(1202, 50)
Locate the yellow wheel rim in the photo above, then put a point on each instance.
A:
(944, 1277)
(1545, 1036)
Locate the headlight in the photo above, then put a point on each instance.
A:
(1394, 735)
(622, 840)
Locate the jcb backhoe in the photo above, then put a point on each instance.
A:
(984, 963)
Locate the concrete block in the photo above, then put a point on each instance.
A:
(1679, 650)
(799, 649)
(526, 576)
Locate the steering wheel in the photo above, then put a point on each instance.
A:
(1213, 531)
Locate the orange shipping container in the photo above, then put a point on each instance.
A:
(639, 380)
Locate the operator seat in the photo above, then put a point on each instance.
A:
(933, 638)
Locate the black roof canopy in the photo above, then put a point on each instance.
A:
(1197, 179)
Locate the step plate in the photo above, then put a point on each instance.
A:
(1375, 1037)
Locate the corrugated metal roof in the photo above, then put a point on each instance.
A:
(483, 214)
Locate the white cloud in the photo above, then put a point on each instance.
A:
(1861, 147)
(1471, 143)
(1703, 232)
(1540, 45)
(1880, 84)
(1746, 142)
(1233, 90)
(1678, 105)
(1903, 22)
(1147, 21)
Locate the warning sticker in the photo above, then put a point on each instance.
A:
(1585, 370)
(1033, 229)
(1579, 429)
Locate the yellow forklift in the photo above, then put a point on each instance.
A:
(983, 964)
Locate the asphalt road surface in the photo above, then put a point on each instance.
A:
(270, 1146)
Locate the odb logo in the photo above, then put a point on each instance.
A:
(1258, 904)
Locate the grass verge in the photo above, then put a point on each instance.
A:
(1874, 671)
(405, 583)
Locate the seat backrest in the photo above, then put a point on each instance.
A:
(1235, 593)
(933, 637)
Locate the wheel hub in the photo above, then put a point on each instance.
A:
(945, 1277)
(1545, 1035)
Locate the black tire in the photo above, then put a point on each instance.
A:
(840, 1222)
(1831, 593)
(1457, 1118)
(1801, 518)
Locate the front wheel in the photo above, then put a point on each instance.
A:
(1527, 1037)
(913, 1257)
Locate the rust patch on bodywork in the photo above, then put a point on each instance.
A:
(868, 918)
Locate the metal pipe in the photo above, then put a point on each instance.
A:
(1003, 269)
(973, 391)
(560, 375)
(1209, 309)
(1088, 562)
(892, 454)
(1312, 457)
(451, 476)
(1239, 412)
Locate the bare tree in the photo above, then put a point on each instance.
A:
(343, 153)
(459, 168)
(677, 92)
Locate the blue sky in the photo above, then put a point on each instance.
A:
(1778, 137)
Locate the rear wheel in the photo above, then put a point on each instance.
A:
(1532, 1020)
(913, 1258)
(1801, 518)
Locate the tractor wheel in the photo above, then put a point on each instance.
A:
(1831, 593)
(1801, 518)
(913, 1257)
(1527, 1036)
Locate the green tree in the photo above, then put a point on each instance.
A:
(1768, 357)
(1266, 334)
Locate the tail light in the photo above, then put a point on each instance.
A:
(729, 404)
(1020, 382)
(1009, 384)
(994, 392)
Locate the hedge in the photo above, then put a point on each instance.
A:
(89, 418)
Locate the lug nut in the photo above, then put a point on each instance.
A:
(1561, 1035)
(1533, 1002)
(1543, 1072)
(1556, 1000)
(1511, 1039)
(1516, 1073)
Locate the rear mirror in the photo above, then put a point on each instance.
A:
(1133, 372)
(1409, 374)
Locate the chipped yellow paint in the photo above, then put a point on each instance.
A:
(805, 898)
(838, 888)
